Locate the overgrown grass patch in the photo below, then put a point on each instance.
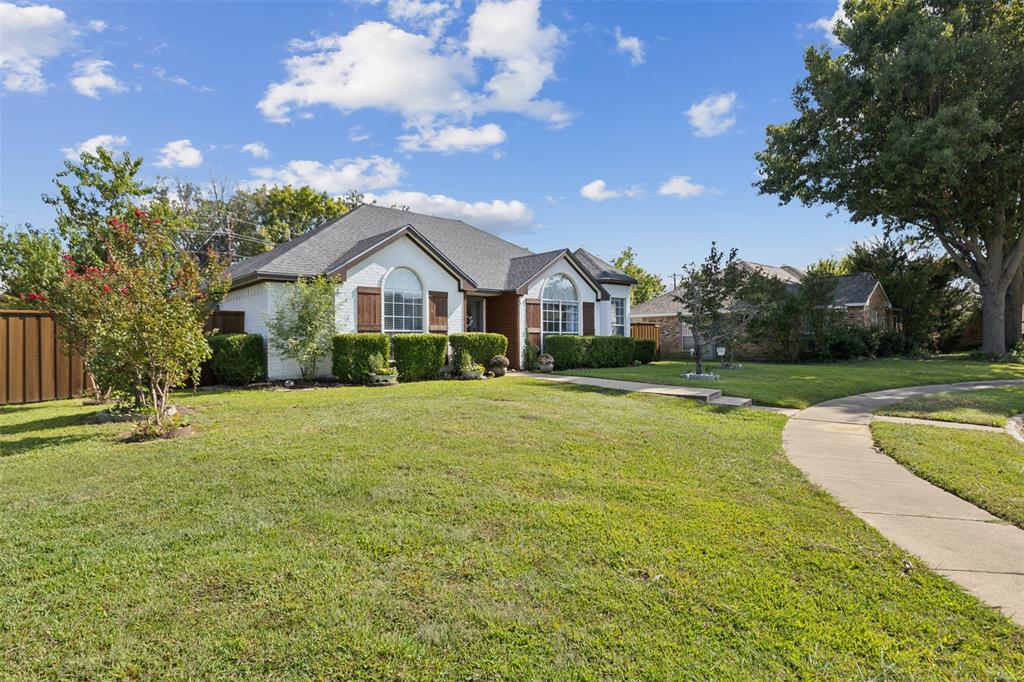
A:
(496, 529)
(788, 385)
(981, 467)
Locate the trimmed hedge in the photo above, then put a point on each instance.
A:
(481, 346)
(609, 351)
(350, 355)
(419, 356)
(237, 359)
(569, 352)
(644, 350)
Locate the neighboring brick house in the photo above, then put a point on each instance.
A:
(861, 296)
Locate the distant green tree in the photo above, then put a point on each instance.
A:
(917, 124)
(648, 285)
(703, 293)
(934, 299)
(29, 264)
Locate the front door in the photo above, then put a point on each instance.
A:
(475, 311)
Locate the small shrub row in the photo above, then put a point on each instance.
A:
(571, 352)
(480, 346)
(238, 359)
(419, 356)
(351, 355)
(850, 341)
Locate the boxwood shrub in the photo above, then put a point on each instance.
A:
(419, 356)
(481, 346)
(609, 351)
(644, 350)
(569, 352)
(238, 359)
(350, 356)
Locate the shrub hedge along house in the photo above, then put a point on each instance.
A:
(401, 273)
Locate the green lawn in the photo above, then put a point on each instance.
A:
(982, 467)
(986, 406)
(799, 386)
(506, 529)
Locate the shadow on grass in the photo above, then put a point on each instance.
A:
(48, 423)
(23, 445)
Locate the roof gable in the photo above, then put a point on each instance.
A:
(602, 271)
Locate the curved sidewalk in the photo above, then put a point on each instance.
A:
(831, 443)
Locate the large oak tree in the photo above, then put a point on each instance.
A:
(918, 124)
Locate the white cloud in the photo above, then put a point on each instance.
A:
(681, 186)
(453, 139)
(597, 190)
(257, 149)
(90, 77)
(97, 25)
(427, 79)
(358, 134)
(432, 16)
(827, 25)
(112, 143)
(337, 177)
(179, 154)
(630, 45)
(713, 115)
(161, 73)
(28, 37)
(495, 216)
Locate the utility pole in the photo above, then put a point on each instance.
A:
(231, 242)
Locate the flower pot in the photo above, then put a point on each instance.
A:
(383, 379)
(472, 373)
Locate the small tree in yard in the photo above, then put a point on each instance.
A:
(302, 324)
(703, 293)
(142, 311)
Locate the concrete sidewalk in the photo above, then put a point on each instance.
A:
(712, 396)
(831, 443)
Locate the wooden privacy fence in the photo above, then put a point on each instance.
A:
(647, 330)
(34, 364)
(226, 322)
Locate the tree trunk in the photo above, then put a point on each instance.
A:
(698, 352)
(1014, 310)
(993, 321)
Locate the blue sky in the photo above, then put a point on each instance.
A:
(601, 124)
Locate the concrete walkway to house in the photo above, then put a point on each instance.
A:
(711, 396)
(831, 443)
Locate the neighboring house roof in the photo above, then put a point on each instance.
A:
(659, 306)
(603, 272)
(786, 273)
(851, 291)
(856, 290)
(482, 260)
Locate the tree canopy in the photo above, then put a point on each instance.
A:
(917, 125)
(648, 285)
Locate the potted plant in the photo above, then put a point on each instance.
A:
(469, 369)
(498, 365)
(545, 363)
(380, 372)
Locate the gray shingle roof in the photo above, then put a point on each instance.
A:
(487, 259)
(786, 273)
(854, 289)
(602, 271)
(659, 305)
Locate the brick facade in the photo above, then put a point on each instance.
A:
(670, 333)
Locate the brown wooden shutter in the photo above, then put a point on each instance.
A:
(439, 312)
(588, 319)
(533, 324)
(368, 309)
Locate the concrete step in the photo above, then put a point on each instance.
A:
(731, 401)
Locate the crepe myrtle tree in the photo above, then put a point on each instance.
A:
(916, 123)
(704, 291)
(302, 324)
(137, 318)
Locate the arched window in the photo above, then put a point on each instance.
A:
(403, 302)
(560, 309)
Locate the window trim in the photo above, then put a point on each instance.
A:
(561, 306)
(622, 323)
